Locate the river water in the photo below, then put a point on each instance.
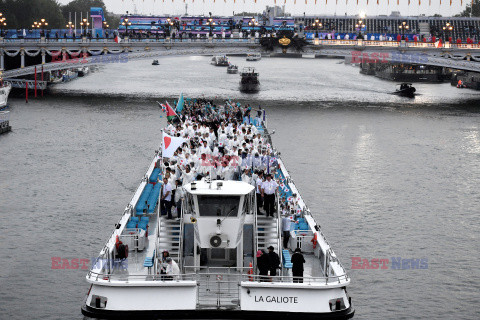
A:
(386, 177)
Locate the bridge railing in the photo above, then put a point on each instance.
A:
(328, 42)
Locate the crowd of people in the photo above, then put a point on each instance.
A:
(222, 142)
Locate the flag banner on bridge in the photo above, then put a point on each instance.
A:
(170, 144)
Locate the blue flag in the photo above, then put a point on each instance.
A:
(180, 103)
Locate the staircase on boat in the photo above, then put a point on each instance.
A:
(267, 233)
(169, 238)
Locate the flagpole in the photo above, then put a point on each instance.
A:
(161, 156)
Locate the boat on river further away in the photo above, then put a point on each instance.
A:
(249, 82)
(208, 257)
(405, 90)
(220, 61)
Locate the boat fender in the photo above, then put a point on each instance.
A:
(117, 242)
(250, 272)
(314, 240)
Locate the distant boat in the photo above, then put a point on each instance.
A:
(254, 56)
(220, 61)
(155, 63)
(83, 71)
(249, 81)
(232, 69)
(405, 90)
(69, 75)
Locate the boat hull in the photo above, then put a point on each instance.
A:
(211, 314)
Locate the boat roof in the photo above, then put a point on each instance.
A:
(227, 188)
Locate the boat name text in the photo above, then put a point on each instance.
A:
(276, 299)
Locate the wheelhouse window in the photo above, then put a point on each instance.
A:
(218, 206)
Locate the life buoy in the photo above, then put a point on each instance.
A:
(314, 240)
(250, 272)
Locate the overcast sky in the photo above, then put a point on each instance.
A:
(329, 7)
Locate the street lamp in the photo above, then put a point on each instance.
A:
(70, 26)
(126, 23)
(84, 23)
(446, 29)
(359, 26)
(3, 24)
(169, 24)
(40, 25)
(211, 24)
(403, 27)
(253, 23)
(316, 24)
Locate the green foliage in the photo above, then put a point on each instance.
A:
(474, 11)
(22, 13)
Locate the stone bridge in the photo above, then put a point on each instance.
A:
(69, 54)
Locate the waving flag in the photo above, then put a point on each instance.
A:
(180, 103)
(170, 112)
(170, 144)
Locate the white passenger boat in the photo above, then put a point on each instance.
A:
(254, 56)
(5, 88)
(220, 61)
(215, 242)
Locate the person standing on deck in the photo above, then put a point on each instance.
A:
(286, 224)
(179, 195)
(262, 264)
(258, 185)
(297, 266)
(269, 187)
(166, 199)
(274, 261)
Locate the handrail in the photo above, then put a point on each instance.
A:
(220, 277)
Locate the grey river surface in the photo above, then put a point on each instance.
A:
(384, 176)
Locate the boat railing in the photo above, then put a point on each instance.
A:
(236, 275)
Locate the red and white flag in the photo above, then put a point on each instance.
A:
(118, 39)
(438, 44)
(170, 144)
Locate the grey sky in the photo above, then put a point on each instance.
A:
(329, 7)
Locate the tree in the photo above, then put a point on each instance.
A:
(84, 6)
(473, 11)
(22, 13)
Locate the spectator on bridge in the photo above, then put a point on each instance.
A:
(347, 36)
(459, 41)
(65, 36)
(433, 39)
(399, 37)
(56, 36)
(415, 39)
